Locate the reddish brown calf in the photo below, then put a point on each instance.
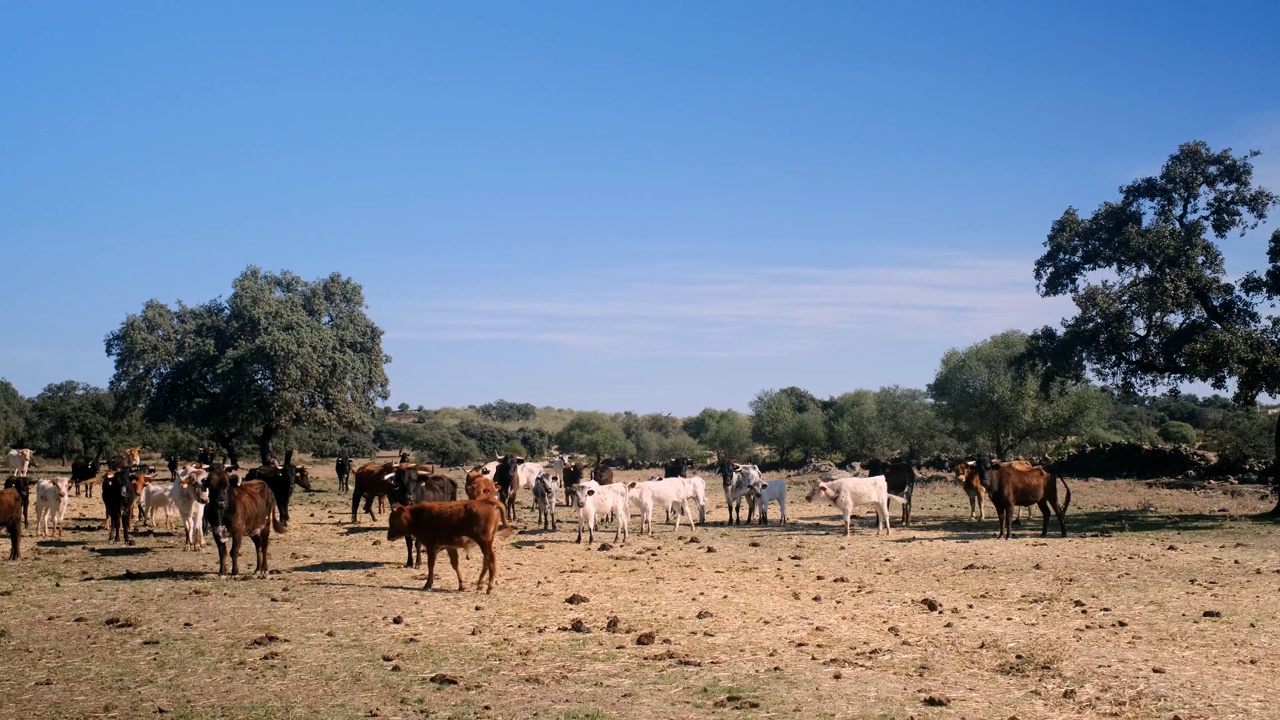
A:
(1015, 484)
(238, 509)
(11, 519)
(451, 525)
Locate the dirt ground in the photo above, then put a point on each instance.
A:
(1160, 604)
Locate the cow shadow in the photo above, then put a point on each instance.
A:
(362, 529)
(344, 565)
(60, 543)
(129, 575)
(1100, 523)
(125, 551)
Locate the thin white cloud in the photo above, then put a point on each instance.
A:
(741, 311)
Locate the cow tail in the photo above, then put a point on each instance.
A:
(275, 522)
(899, 499)
(1067, 500)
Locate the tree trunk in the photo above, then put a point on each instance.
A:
(264, 444)
(1275, 468)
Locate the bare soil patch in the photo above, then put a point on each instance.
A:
(1159, 603)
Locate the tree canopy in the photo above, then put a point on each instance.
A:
(1155, 304)
(727, 432)
(13, 415)
(72, 419)
(278, 352)
(596, 435)
(790, 421)
(994, 402)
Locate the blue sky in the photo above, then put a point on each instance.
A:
(658, 206)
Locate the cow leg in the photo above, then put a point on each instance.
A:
(15, 533)
(453, 560)
(847, 525)
(408, 546)
(260, 555)
(222, 553)
(235, 554)
(355, 504)
(431, 566)
(368, 506)
(782, 509)
(1044, 510)
(906, 507)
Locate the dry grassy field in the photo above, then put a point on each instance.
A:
(1160, 604)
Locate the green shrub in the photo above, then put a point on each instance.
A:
(1176, 432)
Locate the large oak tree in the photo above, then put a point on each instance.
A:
(279, 352)
(1156, 307)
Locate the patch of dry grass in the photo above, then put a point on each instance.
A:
(793, 621)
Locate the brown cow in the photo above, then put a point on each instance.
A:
(1015, 484)
(22, 485)
(412, 485)
(376, 481)
(480, 487)
(966, 471)
(11, 519)
(450, 525)
(237, 509)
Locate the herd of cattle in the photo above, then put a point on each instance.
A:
(427, 513)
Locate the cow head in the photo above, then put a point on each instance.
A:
(301, 476)
(986, 476)
(398, 522)
(816, 488)
(140, 482)
(402, 486)
(218, 485)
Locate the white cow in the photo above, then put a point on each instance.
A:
(190, 494)
(157, 497)
(849, 493)
(745, 477)
(19, 462)
(771, 492)
(51, 505)
(668, 493)
(596, 500)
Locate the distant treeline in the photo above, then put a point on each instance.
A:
(981, 399)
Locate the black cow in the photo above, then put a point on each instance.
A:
(572, 475)
(119, 497)
(23, 486)
(506, 477)
(82, 470)
(343, 468)
(900, 476)
(281, 480)
(677, 467)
